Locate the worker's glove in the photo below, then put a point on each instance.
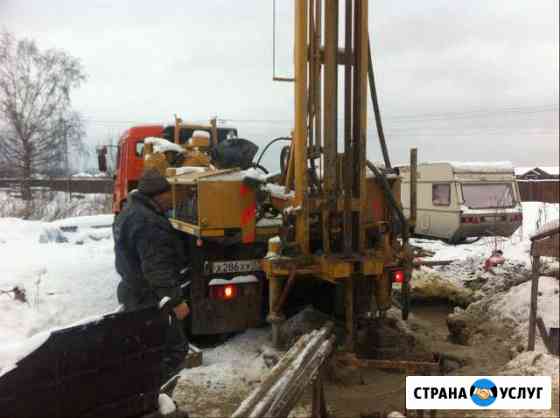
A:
(174, 307)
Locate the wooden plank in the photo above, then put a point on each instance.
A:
(547, 247)
(533, 307)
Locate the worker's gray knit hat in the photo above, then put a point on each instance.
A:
(153, 183)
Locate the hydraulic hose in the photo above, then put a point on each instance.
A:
(282, 138)
(405, 287)
(376, 111)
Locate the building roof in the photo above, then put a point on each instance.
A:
(551, 170)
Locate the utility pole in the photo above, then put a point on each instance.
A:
(66, 160)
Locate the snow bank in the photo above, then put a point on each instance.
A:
(64, 282)
(94, 221)
(514, 304)
(429, 285)
(534, 363)
(12, 353)
(163, 145)
(166, 404)
(230, 369)
(516, 248)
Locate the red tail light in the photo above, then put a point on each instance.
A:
(223, 292)
(398, 276)
(517, 217)
(470, 220)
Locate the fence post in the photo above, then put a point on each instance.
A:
(534, 295)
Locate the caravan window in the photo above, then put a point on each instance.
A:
(441, 194)
(486, 196)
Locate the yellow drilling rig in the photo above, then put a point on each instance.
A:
(329, 217)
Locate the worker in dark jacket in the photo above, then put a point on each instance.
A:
(148, 258)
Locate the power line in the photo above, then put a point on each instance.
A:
(434, 116)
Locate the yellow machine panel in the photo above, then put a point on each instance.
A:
(220, 204)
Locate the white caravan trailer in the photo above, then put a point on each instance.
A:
(460, 200)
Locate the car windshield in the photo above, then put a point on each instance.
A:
(490, 195)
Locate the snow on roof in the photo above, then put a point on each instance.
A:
(552, 170)
(188, 170)
(163, 145)
(470, 166)
(201, 134)
(255, 174)
(482, 167)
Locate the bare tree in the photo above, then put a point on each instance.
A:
(37, 125)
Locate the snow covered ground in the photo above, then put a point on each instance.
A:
(63, 281)
(466, 278)
(69, 274)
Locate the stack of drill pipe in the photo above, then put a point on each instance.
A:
(281, 389)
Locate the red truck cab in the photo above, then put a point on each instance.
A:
(130, 159)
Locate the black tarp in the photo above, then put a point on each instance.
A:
(104, 368)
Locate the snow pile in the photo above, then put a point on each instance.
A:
(163, 145)
(201, 134)
(429, 285)
(52, 234)
(516, 248)
(64, 282)
(166, 405)
(514, 305)
(12, 353)
(533, 363)
(230, 371)
(89, 175)
(95, 221)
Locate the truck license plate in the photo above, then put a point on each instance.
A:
(239, 266)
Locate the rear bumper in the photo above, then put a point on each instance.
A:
(503, 229)
(216, 316)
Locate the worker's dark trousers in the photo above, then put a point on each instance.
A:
(176, 344)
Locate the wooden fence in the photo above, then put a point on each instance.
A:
(540, 190)
(70, 185)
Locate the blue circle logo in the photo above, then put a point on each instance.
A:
(484, 392)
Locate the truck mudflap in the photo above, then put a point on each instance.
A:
(222, 306)
(105, 368)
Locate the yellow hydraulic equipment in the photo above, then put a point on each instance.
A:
(340, 226)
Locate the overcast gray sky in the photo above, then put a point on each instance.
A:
(460, 80)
